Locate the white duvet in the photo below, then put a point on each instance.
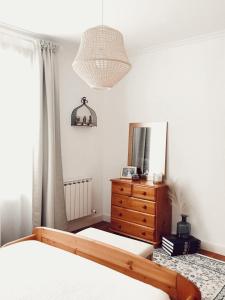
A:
(35, 271)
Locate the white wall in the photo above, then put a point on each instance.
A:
(184, 85)
(181, 84)
(81, 147)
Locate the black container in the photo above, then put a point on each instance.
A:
(183, 228)
(144, 177)
(135, 177)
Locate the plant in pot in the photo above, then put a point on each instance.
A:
(177, 201)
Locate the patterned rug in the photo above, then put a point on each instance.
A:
(207, 273)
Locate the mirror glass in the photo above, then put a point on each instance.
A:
(147, 147)
(141, 148)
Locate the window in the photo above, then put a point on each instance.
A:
(17, 103)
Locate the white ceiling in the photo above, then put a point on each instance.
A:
(143, 22)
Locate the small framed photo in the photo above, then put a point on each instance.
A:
(128, 172)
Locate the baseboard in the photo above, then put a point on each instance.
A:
(84, 222)
(106, 218)
(216, 248)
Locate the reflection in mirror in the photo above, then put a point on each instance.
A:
(141, 148)
(147, 147)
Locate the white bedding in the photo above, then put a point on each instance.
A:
(35, 271)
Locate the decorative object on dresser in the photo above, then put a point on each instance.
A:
(140, 210)
(157, 178)
(128, 172)
(135, 177)
(87, 117)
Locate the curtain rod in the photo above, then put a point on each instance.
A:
(26, 34)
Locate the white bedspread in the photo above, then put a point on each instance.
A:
(35, 271)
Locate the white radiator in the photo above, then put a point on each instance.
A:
(78, 197)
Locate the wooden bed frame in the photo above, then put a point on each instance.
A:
(174, 284)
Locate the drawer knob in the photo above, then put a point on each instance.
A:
(144, 193)
(144, 233)
(120, 201)
(120, 214)
(145, 207)
(121, 189)
(144, 220)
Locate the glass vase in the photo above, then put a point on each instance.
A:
(183, 228)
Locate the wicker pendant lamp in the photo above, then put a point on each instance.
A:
(101, 60)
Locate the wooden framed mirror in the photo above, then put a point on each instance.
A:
(147, 147)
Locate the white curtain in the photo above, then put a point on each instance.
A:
(18, 86)
(48, 193)
(31, 184)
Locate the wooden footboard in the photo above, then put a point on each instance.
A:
(174, 284)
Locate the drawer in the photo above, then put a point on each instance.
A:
(134, 203)
(140, 205)
(119, 200)
(121, 188)
(143, 192)
(142, 232)
(133, 216)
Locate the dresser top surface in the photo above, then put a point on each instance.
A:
(138, 182)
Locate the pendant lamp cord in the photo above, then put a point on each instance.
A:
(102, 12)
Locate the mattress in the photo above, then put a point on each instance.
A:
(32, 270)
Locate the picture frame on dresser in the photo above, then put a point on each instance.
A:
(128, 172)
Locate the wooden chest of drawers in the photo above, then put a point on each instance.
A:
(140, 210)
